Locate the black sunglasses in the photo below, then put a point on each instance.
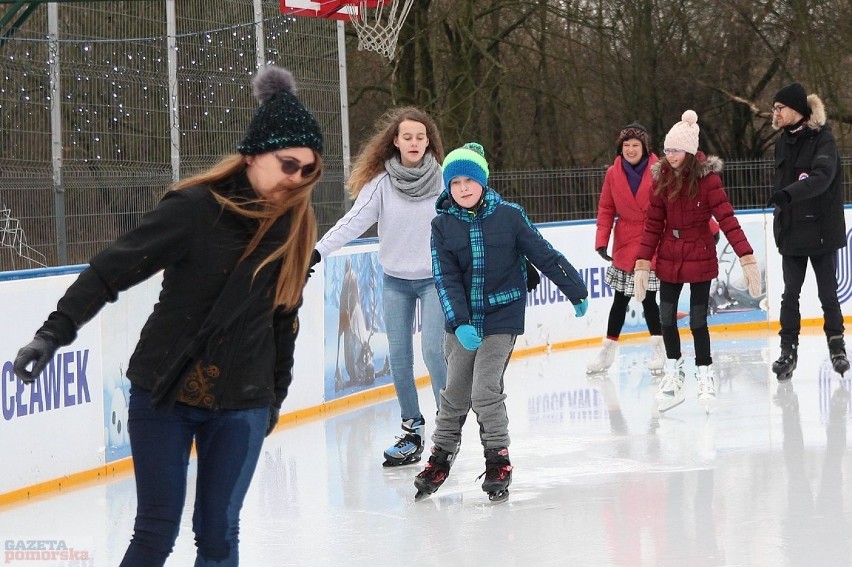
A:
(290, 166)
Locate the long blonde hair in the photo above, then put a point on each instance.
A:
(672, 181)
(379, 148)
(295, 253)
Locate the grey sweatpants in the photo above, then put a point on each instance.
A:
(474, 380)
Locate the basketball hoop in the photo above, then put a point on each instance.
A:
(378, 24)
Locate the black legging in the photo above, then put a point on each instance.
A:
(699, 298)
(618, 312)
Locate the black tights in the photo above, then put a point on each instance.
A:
(699, 297)
(618, 312)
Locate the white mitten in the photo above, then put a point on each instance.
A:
(641, 278)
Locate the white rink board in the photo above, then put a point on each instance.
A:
(40, 445)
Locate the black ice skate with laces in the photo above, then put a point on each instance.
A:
(433, 476)
(498, 474)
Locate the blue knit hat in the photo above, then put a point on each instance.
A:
(467, 161)
(282, 121)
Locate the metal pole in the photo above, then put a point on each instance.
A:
(56, 132)
(259, 34)
(174, 112)
(344, 107)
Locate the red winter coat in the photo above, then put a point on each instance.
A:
(618, 200)
(679, 231)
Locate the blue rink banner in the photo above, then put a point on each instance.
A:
(356, 345)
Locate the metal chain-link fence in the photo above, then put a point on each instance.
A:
(92, 133)
(572, 194)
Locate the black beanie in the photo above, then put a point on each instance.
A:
(634, 131)
(282, 121)
(794, 96)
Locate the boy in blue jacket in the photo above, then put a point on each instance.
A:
(479, 243)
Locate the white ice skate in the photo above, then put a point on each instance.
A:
(670, 393)
(657, 362)
(706, 386)
(605, 357)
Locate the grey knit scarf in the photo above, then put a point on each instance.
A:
(416, 183)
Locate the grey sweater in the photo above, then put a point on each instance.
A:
(404, 229)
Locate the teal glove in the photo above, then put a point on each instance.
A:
(467, 336)
(581, 308)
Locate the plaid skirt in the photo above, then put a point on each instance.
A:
(622, 281)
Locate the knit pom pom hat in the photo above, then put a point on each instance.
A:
(634, 131)
(469, 161)
(684, 134)
(282, 121)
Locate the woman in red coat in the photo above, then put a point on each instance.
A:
(625, 193)
(687, 192)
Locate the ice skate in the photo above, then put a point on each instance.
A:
(657, 362)
(786, 363)
(706, 387)
(670, 393)
(408, 446)
(605, 357)
(498, 474)
(433, 476)
(837, 350)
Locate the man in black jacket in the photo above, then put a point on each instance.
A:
(809, 220)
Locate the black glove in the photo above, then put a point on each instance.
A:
(533, 279)
(602, 253)
(779, 199)
(39, 352)
(315, 259)
(274, 412)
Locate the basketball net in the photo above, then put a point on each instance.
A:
(378, 27)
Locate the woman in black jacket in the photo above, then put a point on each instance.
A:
(214, 360)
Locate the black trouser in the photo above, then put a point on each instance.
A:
(699, 298)
(794, 268)
(618, 312)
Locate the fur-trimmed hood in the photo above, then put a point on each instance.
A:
(706, 164)
(818, 117)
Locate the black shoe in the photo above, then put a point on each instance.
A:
(436, 472)
(498, 470)
(837, 350)
(786, 363)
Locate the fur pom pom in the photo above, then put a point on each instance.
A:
(690, 117)
(271, 80)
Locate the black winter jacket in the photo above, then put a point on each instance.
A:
(197, 243)
(807, 168)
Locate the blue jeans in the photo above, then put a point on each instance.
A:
(228, 446)
(399, 300)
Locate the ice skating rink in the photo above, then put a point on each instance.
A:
(600, 478)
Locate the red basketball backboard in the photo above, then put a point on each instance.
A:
(332, 9)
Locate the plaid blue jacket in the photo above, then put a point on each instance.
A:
(479, 268)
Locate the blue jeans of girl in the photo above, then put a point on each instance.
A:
(228, 445)
(399, 299)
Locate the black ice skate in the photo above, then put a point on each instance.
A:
(837, 350)
(498, 474)
(433, 476)
(786, 363)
